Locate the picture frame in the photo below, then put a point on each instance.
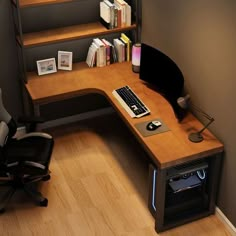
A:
(65, 60)
(46, 66)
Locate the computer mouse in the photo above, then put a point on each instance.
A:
(153, 125)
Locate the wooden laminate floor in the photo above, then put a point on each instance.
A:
(98, 186)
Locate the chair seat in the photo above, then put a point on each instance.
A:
(36, 149)
(25, 152)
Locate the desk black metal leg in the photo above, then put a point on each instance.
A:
(214, 175)
(160, 199)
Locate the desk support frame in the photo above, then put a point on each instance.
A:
(161, 224)
(160, 199)
(166, 150)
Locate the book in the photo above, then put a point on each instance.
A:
(122, 5)
(117, 16)
(125, 48)
(112, 13)
(120, 49)
(125, 12)
(113, 55)
(92, 55)
(128, 15)
(101, 52)
(105, 14)
(108, 51)
(89, 56)
(128, 42)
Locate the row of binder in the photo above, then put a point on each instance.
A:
(103, 52)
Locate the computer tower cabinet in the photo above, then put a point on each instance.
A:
(183, 193)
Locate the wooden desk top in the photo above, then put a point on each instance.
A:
(166, 149)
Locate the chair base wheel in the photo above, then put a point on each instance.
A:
(2, 210)
(44, 203)
(46, 178)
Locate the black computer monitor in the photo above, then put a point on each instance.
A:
(163, 75)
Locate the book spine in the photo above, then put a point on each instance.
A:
(129, 45)
(108, 52)
(112, 20)
(115, 17)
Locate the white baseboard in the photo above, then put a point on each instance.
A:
(70, 119)
(225, 221)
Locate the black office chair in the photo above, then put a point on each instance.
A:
(24, 161)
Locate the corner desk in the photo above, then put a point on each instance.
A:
(166, 150)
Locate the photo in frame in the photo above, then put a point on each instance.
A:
(65, 60)
(46, 66)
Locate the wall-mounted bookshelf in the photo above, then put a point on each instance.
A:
(44, 27)
(31, 42)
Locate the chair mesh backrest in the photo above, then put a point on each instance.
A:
(3, 133)
(3, 138)
(6, 117)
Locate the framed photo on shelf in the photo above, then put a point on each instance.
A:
(46, 66)
(65, 60)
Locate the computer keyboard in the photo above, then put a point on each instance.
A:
(131, 102)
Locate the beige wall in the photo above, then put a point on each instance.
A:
(200, 36)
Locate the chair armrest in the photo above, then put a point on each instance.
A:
(31, 121)
(3, 133)
(35, 134)
(35, 164)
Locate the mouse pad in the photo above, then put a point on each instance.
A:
(141, 127)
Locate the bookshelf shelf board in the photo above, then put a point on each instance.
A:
(32, 3)
(68, 33)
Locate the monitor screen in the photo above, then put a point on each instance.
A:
(160, 71)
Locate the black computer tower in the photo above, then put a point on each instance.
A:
(186, 190)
